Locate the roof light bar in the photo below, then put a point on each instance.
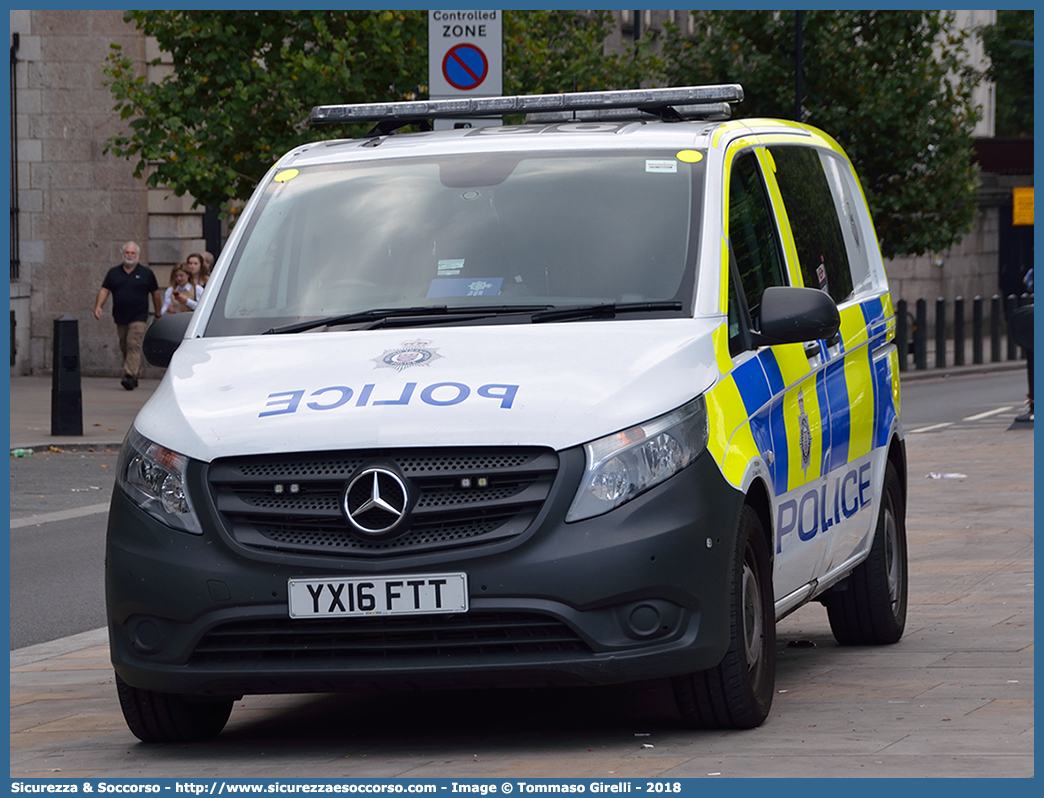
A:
(525, 104)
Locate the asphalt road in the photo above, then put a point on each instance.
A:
(58, 515)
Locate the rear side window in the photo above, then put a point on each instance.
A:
(813, 219)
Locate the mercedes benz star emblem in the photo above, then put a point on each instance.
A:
(375, 501)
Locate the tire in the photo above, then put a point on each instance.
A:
(871, 607)
(168, 718)
(737, 693)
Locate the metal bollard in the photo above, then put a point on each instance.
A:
(940, 333)
(66, 397)
(902, 333)
(958, 331)
(921, 336)
(995, 329)
(977, 330)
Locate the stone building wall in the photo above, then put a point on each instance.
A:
(77, 206)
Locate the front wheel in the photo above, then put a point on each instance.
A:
(737, 694)
(168, 718)
(871, 607)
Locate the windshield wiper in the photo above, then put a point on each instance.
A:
(354, 318)
(409, 316)
(604, 310)
(457, 315)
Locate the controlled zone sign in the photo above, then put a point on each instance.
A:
(465, 59)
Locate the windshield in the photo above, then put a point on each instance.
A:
(482, 231)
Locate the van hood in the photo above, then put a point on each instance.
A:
(555, 385)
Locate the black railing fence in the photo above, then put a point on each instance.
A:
(946, 333)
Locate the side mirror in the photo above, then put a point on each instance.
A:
(791, 315)
(164, 337)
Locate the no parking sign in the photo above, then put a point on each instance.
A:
(464, 58)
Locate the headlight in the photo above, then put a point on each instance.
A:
(154, 478)
(626, 464)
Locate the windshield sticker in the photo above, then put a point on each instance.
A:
(439, 394)
(286, 174)
(662, 167)
(461, 286)
(411, 353)
(448, 267)
(690, 156)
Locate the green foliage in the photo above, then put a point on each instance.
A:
(890, 86)
(1009, 45)
(242, 86)
(561, 51)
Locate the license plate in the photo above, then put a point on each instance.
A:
(415, 594)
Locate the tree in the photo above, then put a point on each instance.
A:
(1009, 45)
(891, 86)
(242, 86)
(561, 51)
(243, 82)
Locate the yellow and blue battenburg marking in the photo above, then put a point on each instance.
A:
(811, 424)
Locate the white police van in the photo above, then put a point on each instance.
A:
(591, 399)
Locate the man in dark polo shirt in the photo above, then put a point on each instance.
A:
(130, 284)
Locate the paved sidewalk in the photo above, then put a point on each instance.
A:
(108, 412)
(953, 699)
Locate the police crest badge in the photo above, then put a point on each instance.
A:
(410, 354)
(804, 434)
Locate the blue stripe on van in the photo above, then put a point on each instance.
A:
(840, 418)
(884, 413)
(772, 372)
(753, 385)
(780, 473)
(824, 417)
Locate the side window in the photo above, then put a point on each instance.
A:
(753, 241)
(855, 227)
(813, 220)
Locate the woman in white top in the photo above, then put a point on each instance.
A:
(183, 294)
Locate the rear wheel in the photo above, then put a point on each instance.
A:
(169, 718)
(871, 609)
(737, 694)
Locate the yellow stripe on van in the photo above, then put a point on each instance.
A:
(853, 326)
(726, 275)
(741, 451)
(789, 249)
(725, 412)
(792, 361)
(798, 472)
(860, 383)
(720, 339)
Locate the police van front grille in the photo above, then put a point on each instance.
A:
(345, 639)
(463, 497)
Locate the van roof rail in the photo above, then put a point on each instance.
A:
(698, 111)
(659, 102)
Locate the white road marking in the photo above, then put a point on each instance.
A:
(60, 515)
(934, 426)
(988, 413)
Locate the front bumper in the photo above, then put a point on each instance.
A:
(640, 592)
